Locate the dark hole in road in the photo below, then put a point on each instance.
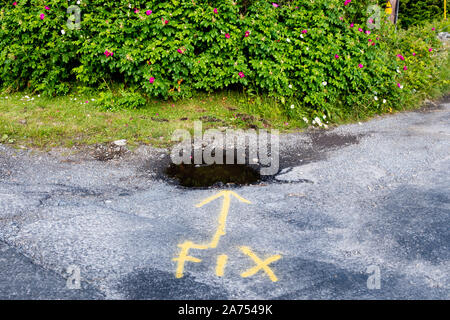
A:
(217, 175)
(210, 175)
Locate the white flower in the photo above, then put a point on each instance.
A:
(301, 36)
(376, 98)
(401, 86)
(305, 119)
(325, 126)
(292, 106)
(398, 71)
(74, 98)
(290, 86)
(39, 95)
(92, 99)
(79, 1)
(6, 97)
(384, 100)
(324, 117)
(288, 40)
(307, 48)
(324, 83)
(62, 31)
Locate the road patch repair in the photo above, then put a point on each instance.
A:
(356, 212)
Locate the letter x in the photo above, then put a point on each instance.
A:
(260, 264)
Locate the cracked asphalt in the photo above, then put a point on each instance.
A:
(375, 194)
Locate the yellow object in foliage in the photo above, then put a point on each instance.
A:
(445, 9)
(388, 8)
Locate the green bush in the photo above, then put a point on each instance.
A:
(413, 12)
(315, 53)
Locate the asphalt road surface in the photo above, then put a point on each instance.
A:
(358, 212)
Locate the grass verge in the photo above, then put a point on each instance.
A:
(44, 123)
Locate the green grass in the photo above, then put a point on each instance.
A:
(45, 123)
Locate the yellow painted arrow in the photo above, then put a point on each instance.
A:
(223, 213)
(185, 246)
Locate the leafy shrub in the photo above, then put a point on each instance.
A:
(320, 54)
(413, 12)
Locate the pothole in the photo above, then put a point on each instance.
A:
(213, 175)
(254, 172)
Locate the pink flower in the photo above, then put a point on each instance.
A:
(47, 8)
(151, 80)
(373, 43)
(247, 33)
(400, 57)
(275, 5)
(14, 3)
(405, 68)
(107, 53)
(433, 29)
(304, 31)
(336, 56)
(399, 85)
(352, 25)
(340, 18)
(241, 74)
(136, 11)
(370, 20)
(215, 10)
(414, 54)
(227, 35)
(87, 101)
(180, 51)
(148, 12)
(360, 66)
(347, 2)
(42, 16)
(367, 31)
(360, 30)
(431, 49)
(370, 40)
